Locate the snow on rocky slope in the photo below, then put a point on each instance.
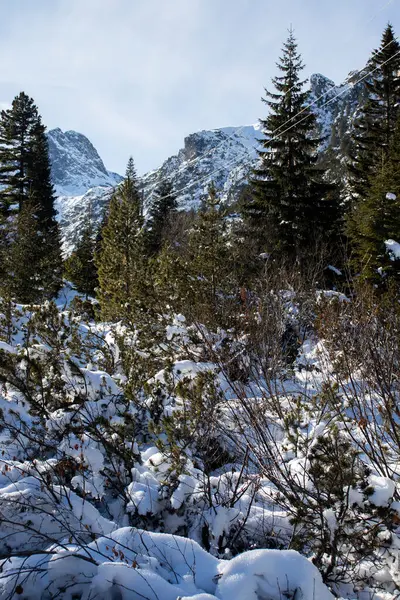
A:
(224, 156)
(81, 181)
(73, 211)
(76, 164)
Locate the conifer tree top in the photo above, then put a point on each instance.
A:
(130, 172)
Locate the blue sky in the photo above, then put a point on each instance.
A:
(136, 76)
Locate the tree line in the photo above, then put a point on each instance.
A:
(291, 212)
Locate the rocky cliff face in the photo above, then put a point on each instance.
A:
(224, 156)
(73, 210)
(76, 164)
(81, 181)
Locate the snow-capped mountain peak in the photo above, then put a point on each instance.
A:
(76, 164)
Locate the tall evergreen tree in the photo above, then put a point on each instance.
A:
(121, 260)
(25, 179)
(17, 127)
(210, 258)
(290, 208)
(39, 175)
(162, 207)
(376, 123)
(24, 159)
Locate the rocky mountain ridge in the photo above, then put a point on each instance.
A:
(224, 156)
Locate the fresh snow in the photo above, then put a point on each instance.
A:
(135, 564)
(393, 248)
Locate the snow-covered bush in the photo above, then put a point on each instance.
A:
(142, 459)
(131, 564)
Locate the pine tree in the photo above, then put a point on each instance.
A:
(24, 159)
(130, 172)
(99, 234)
(17, 127)
(80, 267)
(290, 209)
(52, 260)
(162, 207)
(376, 123)
(39, 175)
(121, 261)
(25, 179)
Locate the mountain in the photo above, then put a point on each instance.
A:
(72, 212)
(76, 164)
(336, 109)
(224, 156)
(80, 180)
(227, 155)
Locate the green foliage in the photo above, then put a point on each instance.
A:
(377, 218)
(194, 425)
(19, 126)
(80, 267)
(24, 161)
(31, 241)
(40, 376)
(209, 260)
(121, 261)
(201, 282)
(378, 116)
(32, 267)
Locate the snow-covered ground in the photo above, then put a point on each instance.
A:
(107, 490)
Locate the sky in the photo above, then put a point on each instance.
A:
(137, 76)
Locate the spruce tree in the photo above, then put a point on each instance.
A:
(25, 178)
(290, 208)
(17, 127)
(162, 207)
(39, 175)
(376, 123)
(52, 260)
(24, 159)
(121, 260)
